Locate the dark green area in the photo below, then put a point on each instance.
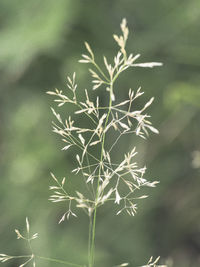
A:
(40, 43)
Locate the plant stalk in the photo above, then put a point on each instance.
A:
(92, 242)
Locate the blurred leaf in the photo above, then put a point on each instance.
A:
(180, 93)
(33, 27)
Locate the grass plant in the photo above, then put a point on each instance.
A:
(105, 180)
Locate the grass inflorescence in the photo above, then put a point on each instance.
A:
(105, 180)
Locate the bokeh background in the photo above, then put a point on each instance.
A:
(40, 43)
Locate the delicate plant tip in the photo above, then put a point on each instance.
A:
(117, 197)
(81, 139)
(156, 260)
(74, 76)
(78, 158)
(53, 176)
(84, 61)
(152, 263)
(148, 64)
(66, 147)
(142, 197)
(63, 181)
(124, 25)
(27, 225)
(34, 236)
(148, 103)
(124, 264)
(89, 50)
(4, 257)
(18, 234)
(50, 93)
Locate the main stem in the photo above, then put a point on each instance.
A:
(93, 225)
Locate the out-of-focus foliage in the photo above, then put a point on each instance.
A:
(40, 43)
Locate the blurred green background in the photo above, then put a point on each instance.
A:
(40, 43)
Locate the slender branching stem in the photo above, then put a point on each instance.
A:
(60, 261)
(91, 258)
(102, 73)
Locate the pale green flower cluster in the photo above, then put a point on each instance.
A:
(105, 180)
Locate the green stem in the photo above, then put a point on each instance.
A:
(91, 258)
(99, 69)
(88, 115)
(89, 236)
(60, 261)
(22, 256)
